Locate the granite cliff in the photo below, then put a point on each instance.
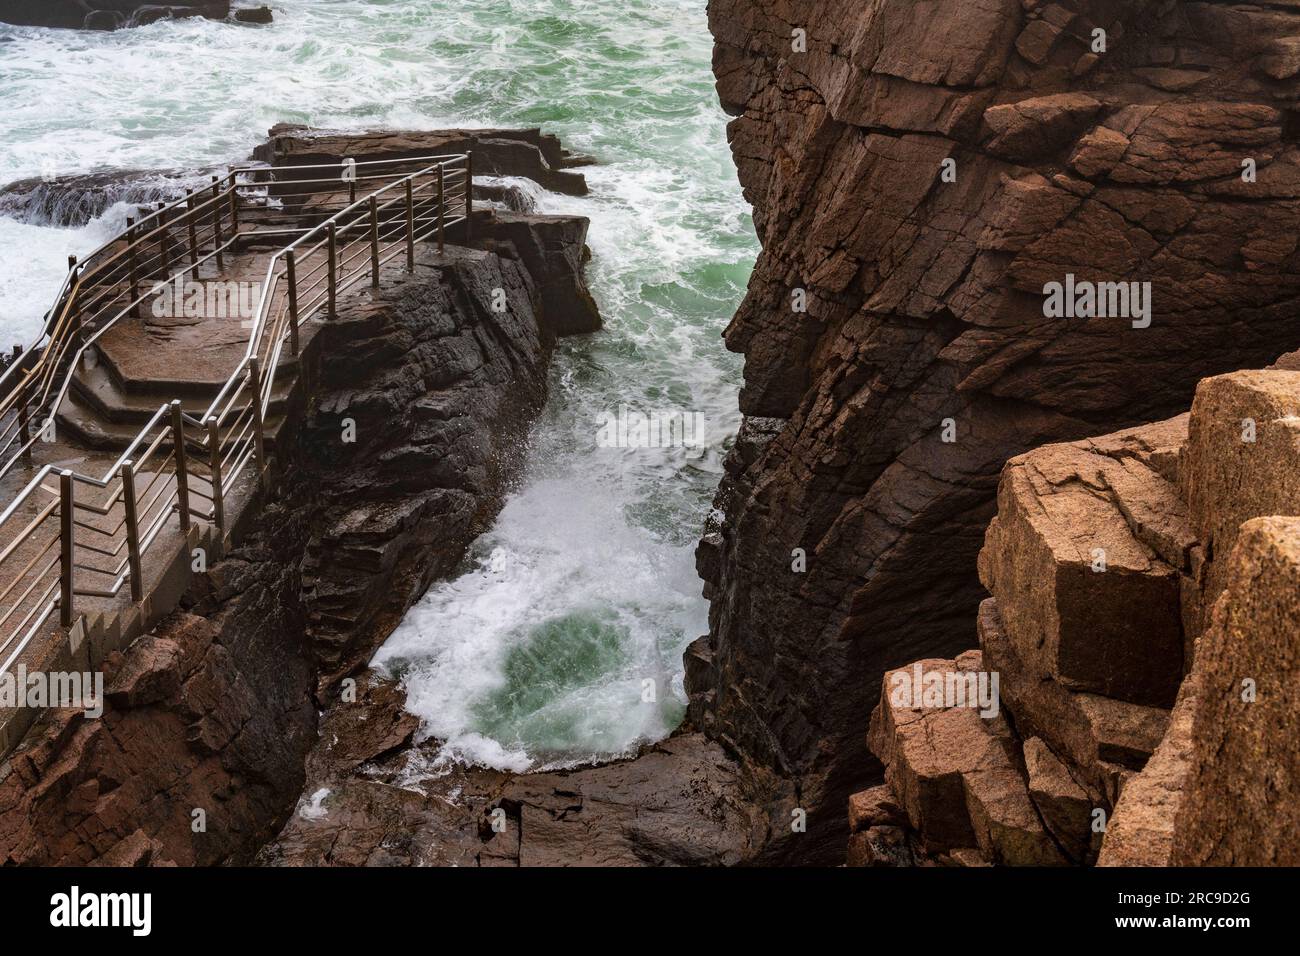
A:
(920, 173)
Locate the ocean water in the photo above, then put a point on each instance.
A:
(560, 639)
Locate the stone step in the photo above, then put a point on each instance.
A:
(117, 364)
(83, 422)
(99, 389)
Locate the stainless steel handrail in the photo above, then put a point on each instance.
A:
(233, 426)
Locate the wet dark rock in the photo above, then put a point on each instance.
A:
(371, 798)
(77, 199)
(529, 153)
(116, 14)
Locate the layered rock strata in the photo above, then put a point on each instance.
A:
(1142, 633)
(920, 174)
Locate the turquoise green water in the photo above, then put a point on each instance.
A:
(561, 639)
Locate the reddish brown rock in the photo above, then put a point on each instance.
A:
(925, 305)
(874, 807)
(1140, 830)
(1084, 544)
(1065, 806)
(1241, 802)
(1097, 734)
(955, 775)
(1240, 464)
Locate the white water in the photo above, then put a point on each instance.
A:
(538, 652)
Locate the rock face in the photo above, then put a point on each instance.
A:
(899, 347)
(76, 199)
(1178, 751)
(440, 389)
(116, 14)
(206, 724)
(497, 152)
(218, 709)
(374, 797)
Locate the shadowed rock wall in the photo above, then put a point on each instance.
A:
(923, 310)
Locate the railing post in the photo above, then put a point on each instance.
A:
(72, 262)
(194, 234)
(132, 265)
(216, 223)
(469, 195)
(374, 243)
(75, 320)
(132, 530)
(25, 432)
(410, 227)
(292, 275)
(182, 473)
(164, 248)
(214, 465)
(333, 264)
(259, 444)
(442, 209)
(234, 215)
(67, 545)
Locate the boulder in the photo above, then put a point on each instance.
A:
(954, 773)
(1241, 801)
(1240, 464)
(1083, 544)
(1065, 806)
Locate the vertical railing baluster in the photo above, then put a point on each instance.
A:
(132, 530)
(292, 275)
(259, 444)
(67, 546)
(469, 196)
(24, 425)
(182, 472)
(216, 223)
(333, 264)
(374, 243)
(410, 227)
(164, 249)
(214, 465)
(234, 216)
(190, 215)
(442, 209)
(133, 267)
(74, 314)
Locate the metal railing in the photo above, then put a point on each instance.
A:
(76, 535)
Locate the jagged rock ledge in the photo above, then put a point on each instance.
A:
(119, 14)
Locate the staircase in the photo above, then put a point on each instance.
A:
(142, 423)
